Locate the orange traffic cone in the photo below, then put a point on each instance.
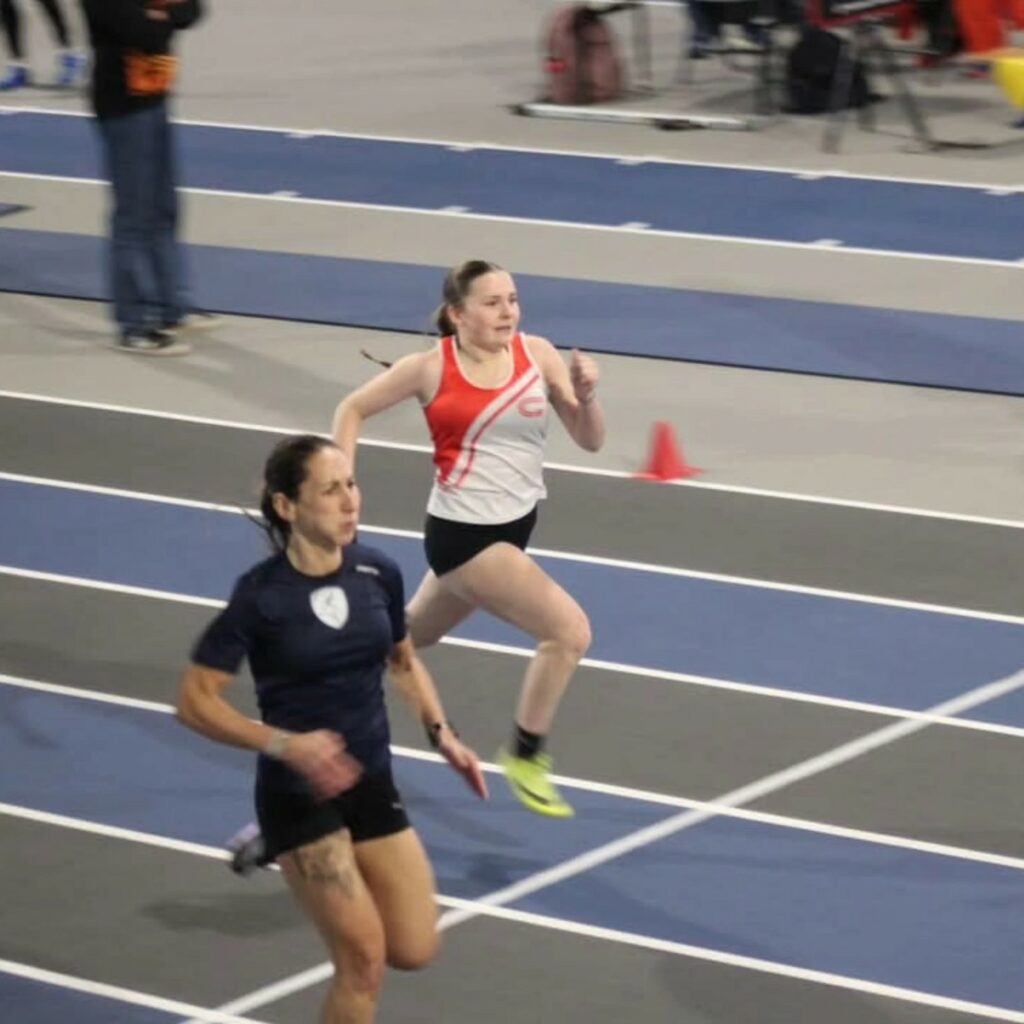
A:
(666, 460)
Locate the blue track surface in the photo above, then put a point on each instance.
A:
(141, 770)
(895, 916)
(887, 216)
(740, 330)
(37, 1002)
(861, 342)
(900, 917)
(797, 642)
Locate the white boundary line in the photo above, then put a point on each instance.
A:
(321, 972)
(766, 786)
(564, 556)
(619, 229)
(119, 994)
(584, 785)
(461, 910)
(688, 819)
(461, 145)
(617, 474)
(524, 652)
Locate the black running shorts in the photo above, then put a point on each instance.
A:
(372, 809)
(449, 544)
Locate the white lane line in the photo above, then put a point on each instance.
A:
(113, 588)
(764, 966)
(119, 994)
(321, 972)
(757, 790)
(577, 865)
(277, 990)
(561, 467)
(570, 225)
(526, 652)
(112, 831)
(589, 786)
(551, 553)
(542, 151)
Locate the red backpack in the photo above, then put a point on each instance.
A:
(582, 62)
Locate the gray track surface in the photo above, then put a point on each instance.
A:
(182, 927)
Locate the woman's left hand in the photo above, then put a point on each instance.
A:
(584, 374)
(463, 760)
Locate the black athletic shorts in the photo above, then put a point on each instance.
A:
(449, 544)
(371, 809)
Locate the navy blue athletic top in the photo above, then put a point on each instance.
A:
(317, 647)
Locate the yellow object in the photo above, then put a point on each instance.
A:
(1008, 71)
(528, 778)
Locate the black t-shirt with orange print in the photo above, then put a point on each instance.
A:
(133, 64)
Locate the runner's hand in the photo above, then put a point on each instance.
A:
(320, 757)
(584, 374)
(463, 760)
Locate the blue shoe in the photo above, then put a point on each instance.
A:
(70, 70)
(16, 78)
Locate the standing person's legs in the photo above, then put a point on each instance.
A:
(11, 18)
(58, 23)
(16, 74)
(130, 150)
(70, 64)
(167, 254)
(328, 884)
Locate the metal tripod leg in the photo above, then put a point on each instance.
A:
(906, 98)
(839, 97)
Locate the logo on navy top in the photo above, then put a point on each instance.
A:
(330, 606)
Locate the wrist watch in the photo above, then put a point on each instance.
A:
(434, 733)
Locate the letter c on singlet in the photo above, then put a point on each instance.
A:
(330, 606)
(531, 406)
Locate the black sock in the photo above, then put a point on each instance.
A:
(526, 744)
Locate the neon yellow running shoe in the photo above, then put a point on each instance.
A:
(528, 779)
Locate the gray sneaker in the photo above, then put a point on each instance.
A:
(152, 342)
(194, 320)
(247, 849)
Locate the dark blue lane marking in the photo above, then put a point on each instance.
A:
(795, 642)
(971, 353)
(887, 216)
(930, 923)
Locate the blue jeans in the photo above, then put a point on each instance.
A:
(147, 279)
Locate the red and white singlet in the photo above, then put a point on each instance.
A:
(488, 442)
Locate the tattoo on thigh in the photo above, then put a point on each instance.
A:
(320, 865)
